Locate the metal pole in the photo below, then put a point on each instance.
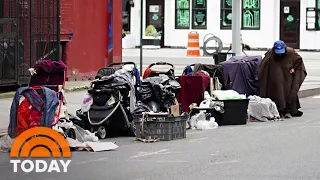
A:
(58, 30)
(32, 57)
(141, 34)
(236, 19)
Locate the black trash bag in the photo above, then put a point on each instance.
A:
(140, 108)
(115, 83)
(145, 92)
(154, 106)
(164, 90)
(163, 79)
(174, 85)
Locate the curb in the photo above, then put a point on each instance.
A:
(74, 89)
(7, 95)
(78, 88)
(3, 132)
(308, 92)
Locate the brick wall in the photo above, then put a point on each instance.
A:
(67, 21)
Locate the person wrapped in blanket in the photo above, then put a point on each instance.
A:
(281, 74)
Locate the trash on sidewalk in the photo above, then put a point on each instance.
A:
(148, 140)
(5, 143)
(203, 120)
(91, 146)
(43, 104)
(262, 109)
(158, 116)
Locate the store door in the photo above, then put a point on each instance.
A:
(155, 16)
(290, 22)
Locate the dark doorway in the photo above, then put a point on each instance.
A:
(155, 16)
(290, 22)
(126, 14)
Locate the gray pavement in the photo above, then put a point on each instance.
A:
(284, 150)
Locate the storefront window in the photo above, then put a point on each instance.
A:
(251, 14)
(226, 14)
(318, 13)
(199, 14)
(182, 14)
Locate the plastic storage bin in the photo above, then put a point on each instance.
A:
(235, 112)
(163, 127)
(221, 57)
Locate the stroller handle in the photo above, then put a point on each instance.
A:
(121, 64)
(161, 63)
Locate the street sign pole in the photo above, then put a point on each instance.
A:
(141, 34)
(236, 19)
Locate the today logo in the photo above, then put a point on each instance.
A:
(39, 143)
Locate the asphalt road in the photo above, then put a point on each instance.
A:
(283, 150)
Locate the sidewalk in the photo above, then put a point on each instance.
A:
(182, 53)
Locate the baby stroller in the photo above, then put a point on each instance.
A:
(151, 71)
(42, 103)
(112, 96)
(159, 87)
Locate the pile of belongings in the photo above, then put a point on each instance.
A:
(157, 94)
(262, 109)
(78, 138)
(203, 120)
(241, 74)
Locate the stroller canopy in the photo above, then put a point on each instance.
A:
(241, 74)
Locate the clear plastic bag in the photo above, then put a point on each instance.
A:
(206, 125)
(195, 118)
(5, 143)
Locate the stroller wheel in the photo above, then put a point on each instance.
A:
(102, 132)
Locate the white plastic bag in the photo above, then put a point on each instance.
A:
(206, 125)
(5, 143)
(195, 118)
(86, 103)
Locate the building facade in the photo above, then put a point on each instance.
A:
(90, 36)
(262, 21)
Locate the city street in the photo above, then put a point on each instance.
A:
(274, 150)
(67, 43)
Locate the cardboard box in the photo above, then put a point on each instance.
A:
(175, 109)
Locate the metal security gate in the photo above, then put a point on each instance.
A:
(8, 42)
(29, 31)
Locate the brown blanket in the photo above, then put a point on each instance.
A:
(277, 83)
